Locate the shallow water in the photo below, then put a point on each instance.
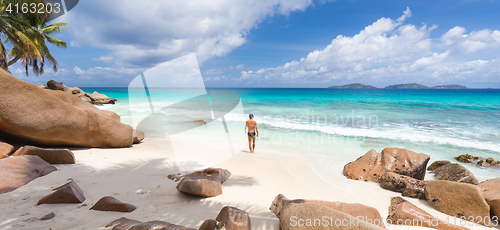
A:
(331, 127)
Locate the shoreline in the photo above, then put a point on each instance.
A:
(138, 175)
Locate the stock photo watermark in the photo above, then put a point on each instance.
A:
(327, 221)
(312, 129)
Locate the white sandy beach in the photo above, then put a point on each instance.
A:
(138, 175)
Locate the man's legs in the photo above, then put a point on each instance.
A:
(253, 148)
(250, 144)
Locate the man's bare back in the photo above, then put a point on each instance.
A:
(251, 124)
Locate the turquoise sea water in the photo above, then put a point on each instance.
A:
(331, 127)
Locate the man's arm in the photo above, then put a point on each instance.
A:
(246, 124)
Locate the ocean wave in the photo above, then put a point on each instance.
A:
(398, 132)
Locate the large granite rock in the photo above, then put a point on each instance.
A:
(408, 186)
(68, 193)
(308, 215)
(206, 183)
(437, 164)
(138, 136)
(373, 165)
(52, 156)
(458, 199)
(128, 224)
(455, 172)
(18, 171)
(5, 149)
(208, 225)
(54, 85)
(100, 99)
(367, 213)
(234, 218)
(491, 192)
(29, 114)
(402, 212)
(111, 204)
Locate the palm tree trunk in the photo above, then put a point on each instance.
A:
(3, 58)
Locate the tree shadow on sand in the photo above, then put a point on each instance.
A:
(143, 183)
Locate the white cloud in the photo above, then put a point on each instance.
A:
(78, 70)
(143, 33)
(391, 51)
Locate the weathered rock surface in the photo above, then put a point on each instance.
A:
(68, 193)
(138, 136)
(5, 149)
(234, 218)
(18, 171)
(100, 99)
(45, 117)
(208, 225)
(40, 85)
(94, 98)
(402, 212)
(48, 216)
(128, 224)
(373, 165)
(111, 204)
(455, 172)
(54, 85)
(478, 161)
(355, 210)
(408, 186)
(437, 164)
(52, 156)
(491, 192)
(458, 199)
(206, 183)
(311, 215)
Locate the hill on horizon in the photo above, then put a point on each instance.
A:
(399, 86)
(407, 86)
(353, 86)
(450, 86)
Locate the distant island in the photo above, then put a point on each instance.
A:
(452, 86)
(353, 86)
(398, 86)
(407, 86)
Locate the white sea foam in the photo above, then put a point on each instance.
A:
(399, 132)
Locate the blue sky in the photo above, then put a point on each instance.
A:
(283, 43)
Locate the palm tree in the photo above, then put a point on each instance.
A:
(27, 33)
(40, 33)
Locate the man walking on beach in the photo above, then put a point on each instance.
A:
(252, 130)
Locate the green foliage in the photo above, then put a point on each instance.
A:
(29, 35)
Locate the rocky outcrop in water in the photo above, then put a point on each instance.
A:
(478, 161)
